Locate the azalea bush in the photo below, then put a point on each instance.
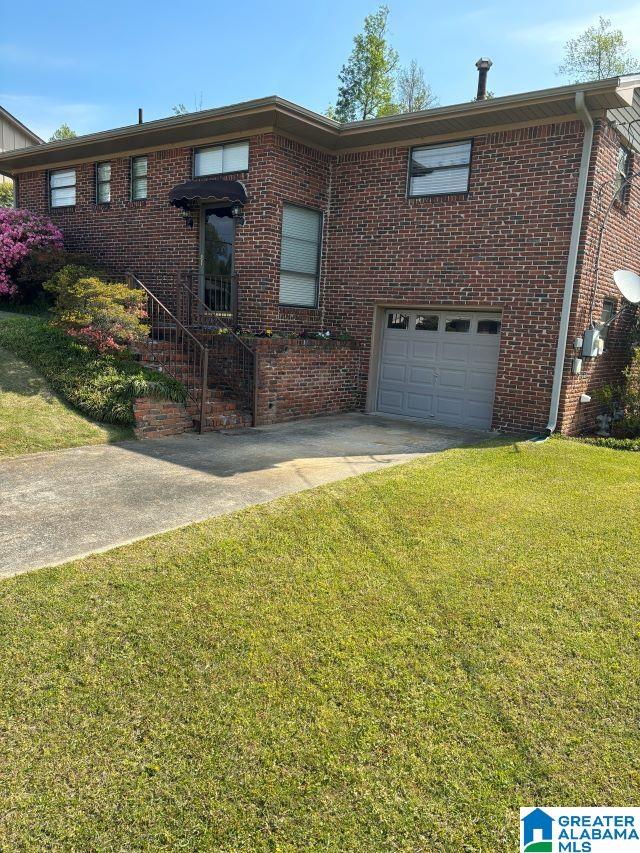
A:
(40, 266)
(107, 316)
(21, 233)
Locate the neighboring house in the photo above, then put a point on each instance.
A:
(14, 134)
(445, 243)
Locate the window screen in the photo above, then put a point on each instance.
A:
(62, 185)
(232, 157)
(300, 256)
(103, 183)
(440, 169)
(139, 170)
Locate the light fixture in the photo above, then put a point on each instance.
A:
(237, 212)
(187, 216)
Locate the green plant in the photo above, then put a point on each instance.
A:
(42, 264)
(6, 194)
(105, 315)
(101, 385)
(612, 443)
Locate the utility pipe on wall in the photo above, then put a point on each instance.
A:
(572, 260)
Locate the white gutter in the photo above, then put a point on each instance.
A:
(574, 245)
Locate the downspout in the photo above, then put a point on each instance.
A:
(572, 261)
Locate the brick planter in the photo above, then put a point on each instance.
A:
(300, 378)
(160, 418)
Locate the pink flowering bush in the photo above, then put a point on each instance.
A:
(21, 233)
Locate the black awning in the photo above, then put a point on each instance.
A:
(185, 195)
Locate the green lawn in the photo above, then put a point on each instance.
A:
(394, 662)
(32, 418)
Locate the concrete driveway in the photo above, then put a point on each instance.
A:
(69, 503)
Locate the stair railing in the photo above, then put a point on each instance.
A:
(176, 349)
(232, 362)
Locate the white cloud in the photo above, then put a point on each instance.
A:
(43, 115)
(15, 54)
(553, 35)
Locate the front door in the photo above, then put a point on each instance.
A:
(216, 272)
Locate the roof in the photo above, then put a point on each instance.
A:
(5, 114)
(274, 113)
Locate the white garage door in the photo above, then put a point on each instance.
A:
(439, 365)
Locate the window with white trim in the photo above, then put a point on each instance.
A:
(62, 188)
(440, 169)
(139, 171)
(230, 157)
(300, 256)
(103, 183)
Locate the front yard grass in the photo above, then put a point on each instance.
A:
(395, 662)
(33, 418)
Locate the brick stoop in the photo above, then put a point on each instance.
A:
(158, 418)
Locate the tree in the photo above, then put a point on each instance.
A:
(181, 110)
(63, 132)
(598, 53)
(367, 78)
(6, 194)
(413, 93)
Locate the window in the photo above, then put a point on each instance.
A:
(62, 188)
(232, 157)
(488, 327)
(138, 178)
(440, 169)
(623, 173)
(458, 325)
(608, 312)
(103, 183)
(397, 321)
(300, 256)
(428, 323)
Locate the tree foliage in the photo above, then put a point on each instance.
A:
(63, 132)
(6, 194)
(367, 78)
(413, 93)
(599, 52)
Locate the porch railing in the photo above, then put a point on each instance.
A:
(176, 349)
(232, 362)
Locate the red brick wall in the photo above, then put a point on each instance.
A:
(620, 250)
(503, 246)
(160, 418)
(299, 378)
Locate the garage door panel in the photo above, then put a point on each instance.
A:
(427, 350)
(447, 377)
(392, 372)
(484, 354)
(455, 352)
(395, 348)
(419, 375)
(390, 400)
(419, 405)
(481, 381)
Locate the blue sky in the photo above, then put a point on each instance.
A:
(92, 64)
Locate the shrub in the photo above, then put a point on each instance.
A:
(107, 316)
(6, 194)
(612, 443)
(41, 265)
(21, 233)
(100, 385)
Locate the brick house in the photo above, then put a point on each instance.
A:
(455, 254)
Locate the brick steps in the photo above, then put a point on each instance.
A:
(222, 409)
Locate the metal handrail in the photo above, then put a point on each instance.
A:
(182, 344)
(193, 310)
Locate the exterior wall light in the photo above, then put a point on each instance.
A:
(237, 212)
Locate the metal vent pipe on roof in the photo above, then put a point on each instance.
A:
(139, 115)
(483, 65)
